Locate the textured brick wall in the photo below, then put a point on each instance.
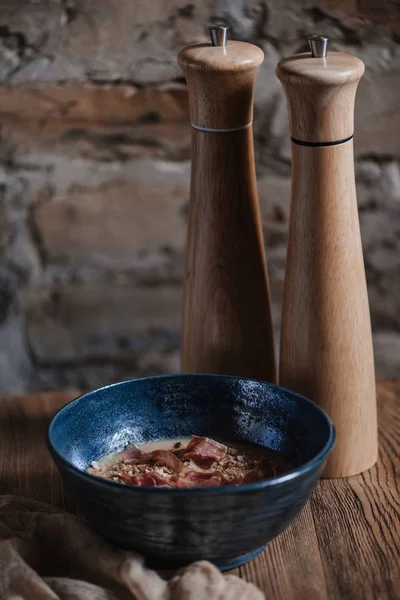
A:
(94, 174)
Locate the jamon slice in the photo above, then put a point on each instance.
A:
(204, 452)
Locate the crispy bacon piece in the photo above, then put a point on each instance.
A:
(197, 479)
(146, 479)
(212, 482)
(133, 455)
(166, 458)
(190, 479)
(198, 476)
(204, 452)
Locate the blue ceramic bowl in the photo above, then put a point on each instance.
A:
(226, 525)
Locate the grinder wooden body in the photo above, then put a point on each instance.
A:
(226, 318)
(326, 342)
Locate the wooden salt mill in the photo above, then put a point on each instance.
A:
(227, 324)
(326, 342)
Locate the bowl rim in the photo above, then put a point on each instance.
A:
(294, 474)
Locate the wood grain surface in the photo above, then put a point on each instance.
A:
(320, 93)
(345, 544)
(221, 83)
(326, 340)
(227, 324)
(326, 349)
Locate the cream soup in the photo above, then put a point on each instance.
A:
(190, 462)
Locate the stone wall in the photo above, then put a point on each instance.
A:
(94, 168)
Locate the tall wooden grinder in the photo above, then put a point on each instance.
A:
(326, 343)
(227, 317)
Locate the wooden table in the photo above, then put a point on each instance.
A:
(344, 544)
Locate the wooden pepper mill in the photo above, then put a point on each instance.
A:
(227, 324)
(326, 342)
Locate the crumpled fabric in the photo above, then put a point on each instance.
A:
(48, 554)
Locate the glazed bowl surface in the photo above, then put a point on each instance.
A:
(227, 525)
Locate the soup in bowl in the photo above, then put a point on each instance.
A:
(281, 436)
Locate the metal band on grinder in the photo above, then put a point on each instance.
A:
(320, 144)
(210, 130)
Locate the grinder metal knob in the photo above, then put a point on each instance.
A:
(318, 46)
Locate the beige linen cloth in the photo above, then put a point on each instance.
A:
(48, 554)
